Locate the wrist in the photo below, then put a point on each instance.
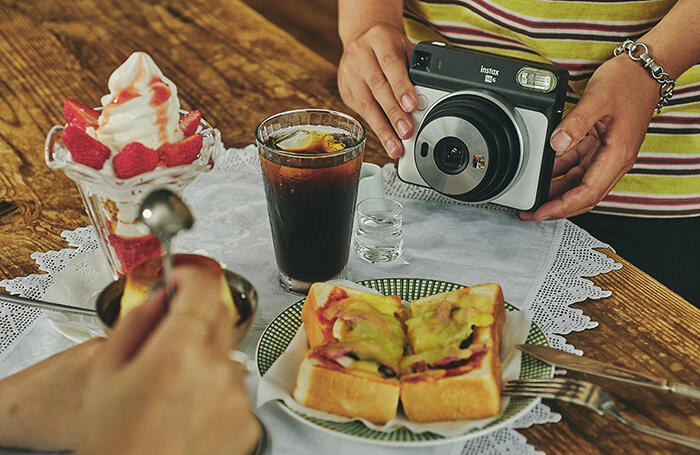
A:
(636, 75)
(355, 17)
(351, 36)
(638, 54)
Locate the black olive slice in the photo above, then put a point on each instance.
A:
(388, 372)
(467, 341)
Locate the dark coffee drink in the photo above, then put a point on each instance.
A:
(311, 186)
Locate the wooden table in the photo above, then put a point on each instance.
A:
(237, 68)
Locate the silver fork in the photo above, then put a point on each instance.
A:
(588, 395)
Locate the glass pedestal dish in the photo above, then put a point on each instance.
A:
(112, 203)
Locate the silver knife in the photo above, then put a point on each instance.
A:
(586, 365)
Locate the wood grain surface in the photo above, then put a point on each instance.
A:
(237, 68)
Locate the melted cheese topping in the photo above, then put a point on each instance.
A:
(437, 358)
(376, 321)
(438, 324)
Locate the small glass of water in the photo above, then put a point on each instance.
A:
(379, 233)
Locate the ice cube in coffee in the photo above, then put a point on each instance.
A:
(311, 139)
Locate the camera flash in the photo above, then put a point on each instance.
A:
(536, 79)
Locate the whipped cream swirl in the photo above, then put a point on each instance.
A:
(142, 106)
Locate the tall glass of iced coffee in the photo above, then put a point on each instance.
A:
(311, 163)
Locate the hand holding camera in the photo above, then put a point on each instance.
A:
(372, 76)
(599, 139)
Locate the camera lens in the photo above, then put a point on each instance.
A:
(470, 127)
(451, 155)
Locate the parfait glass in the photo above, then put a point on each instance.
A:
(113, 203)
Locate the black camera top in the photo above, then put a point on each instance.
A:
(527, 84)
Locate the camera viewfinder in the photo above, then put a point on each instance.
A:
(421, 61)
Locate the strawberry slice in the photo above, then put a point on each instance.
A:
(134, 159)
(189, 122)
(84, 149)
(183, 152)
(79, 115)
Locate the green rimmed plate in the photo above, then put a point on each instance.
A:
(281, 330)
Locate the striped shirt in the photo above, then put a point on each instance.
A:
(579, 36)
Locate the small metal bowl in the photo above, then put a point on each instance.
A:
(245, 298)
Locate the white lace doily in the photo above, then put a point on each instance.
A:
(562, 282)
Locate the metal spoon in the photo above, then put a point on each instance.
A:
(17, 300)
(165, 214)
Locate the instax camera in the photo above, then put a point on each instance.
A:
(483, 124)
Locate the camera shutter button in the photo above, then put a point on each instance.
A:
(422, 102)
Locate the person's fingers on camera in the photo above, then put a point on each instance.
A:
(579, 122)
(604, 172)
(570, 180)
(393, 62)
(373, 114)
(584, 150)
(132, 330)
(383, 93)
(355, 93)
(558, 187)
(563, 163)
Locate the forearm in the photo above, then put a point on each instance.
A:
(357, 16)
(39, 406)
(675, 41)
(23, 414)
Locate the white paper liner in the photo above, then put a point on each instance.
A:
(279, 381)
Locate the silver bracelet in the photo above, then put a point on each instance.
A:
(657, 72)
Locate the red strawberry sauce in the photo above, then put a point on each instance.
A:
(161, 94)
(125, 95)
(133, 250)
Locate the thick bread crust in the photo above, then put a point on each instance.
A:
(471, 396)
(496, 334)
(494, 292)
(317, 297)
(339, 392)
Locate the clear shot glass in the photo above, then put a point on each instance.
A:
(378, 236)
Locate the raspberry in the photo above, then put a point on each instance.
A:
(134, 159)
(189, 122)
(183, 152)
(84, 149)
(79, 115)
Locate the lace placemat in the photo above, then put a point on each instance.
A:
(227, 203)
